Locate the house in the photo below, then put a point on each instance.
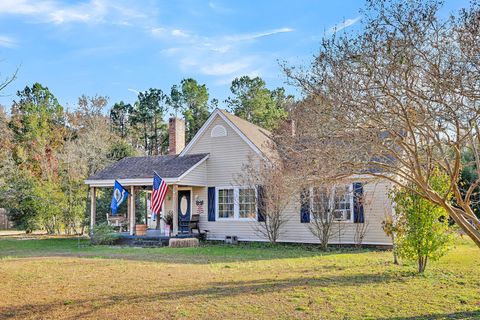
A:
(202, 182)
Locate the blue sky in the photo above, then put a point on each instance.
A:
(118, 47)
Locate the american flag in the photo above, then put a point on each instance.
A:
(158, 194)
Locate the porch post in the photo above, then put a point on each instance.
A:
(93, 208)
(131, 211)
(175, 209)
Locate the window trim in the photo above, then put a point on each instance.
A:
(352, 211)
(236, 203)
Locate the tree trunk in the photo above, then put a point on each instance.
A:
(422, 263)
(395, 255)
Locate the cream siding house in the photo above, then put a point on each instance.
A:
(207, 177)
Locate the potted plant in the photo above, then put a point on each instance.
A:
(168, 220)
(141, 225)
(140, 229)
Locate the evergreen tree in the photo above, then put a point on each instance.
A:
(119, 117)
(254, 102)
(192, 100)
(147, 118)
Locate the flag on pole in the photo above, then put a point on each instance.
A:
(158, 194)
(119, 195)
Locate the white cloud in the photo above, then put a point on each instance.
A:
(53, 11)
(345, 24)
(218, 8)
(168, 32)
(226, 68)
(217, 56)
(134, 91)
(253, 36)
(8, 42)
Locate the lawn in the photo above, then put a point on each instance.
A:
(64, 278)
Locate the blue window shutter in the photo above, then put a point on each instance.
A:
(305, 206)
(358, 214)
(260, 203)
(211, 203)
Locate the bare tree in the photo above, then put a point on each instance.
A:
(274, 194)
(323, 212)
(398, 101)
(7, 80)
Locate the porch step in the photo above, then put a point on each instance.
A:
(149, 243)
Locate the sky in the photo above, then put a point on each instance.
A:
(116, 48)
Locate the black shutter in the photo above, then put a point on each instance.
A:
(261, 203)
(305, 206)
(211, 203)
(358, 214)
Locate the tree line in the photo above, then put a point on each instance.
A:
(47, 150)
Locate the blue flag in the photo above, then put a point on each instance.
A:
(119, 195)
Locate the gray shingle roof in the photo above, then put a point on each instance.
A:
(168, 166)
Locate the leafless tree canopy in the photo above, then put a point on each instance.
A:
(274, 193)
(397, 101)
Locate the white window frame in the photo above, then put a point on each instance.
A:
(236, 204)
(350, 192)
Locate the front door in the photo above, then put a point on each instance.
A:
(184, 209)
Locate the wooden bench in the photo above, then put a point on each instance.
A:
(120, 223)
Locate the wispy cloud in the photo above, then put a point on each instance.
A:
(134, 91)
(219, 56)
(342, 25)
(8, 42)
(219, 8)
(253, 36)
(161, 32)
(51, 11)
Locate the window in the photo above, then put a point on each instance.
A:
(247, 203)
(343, 204)
(321, 203)
(218, 131)
(226, 203)
(236, 203)
(337, 201)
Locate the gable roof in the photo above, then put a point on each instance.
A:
(258, 138)
(167, 166)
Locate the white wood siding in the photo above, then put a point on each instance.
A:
(196, 177)
(227, 154)
(224, 165)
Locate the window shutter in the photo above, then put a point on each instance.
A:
(260, 203)
(305, 206)
(358, 214)
(211, 203)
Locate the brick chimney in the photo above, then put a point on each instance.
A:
(176, 135)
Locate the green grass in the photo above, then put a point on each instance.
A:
(62, 278)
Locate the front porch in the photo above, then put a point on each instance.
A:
(182, 207)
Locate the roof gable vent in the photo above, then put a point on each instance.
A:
(218, 131)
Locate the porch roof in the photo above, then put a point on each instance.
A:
(139, 170)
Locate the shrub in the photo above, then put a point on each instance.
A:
(103, 234)
(426, 234)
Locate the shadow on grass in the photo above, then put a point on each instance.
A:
(205, 254)
(213, 290)
(467, 315)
